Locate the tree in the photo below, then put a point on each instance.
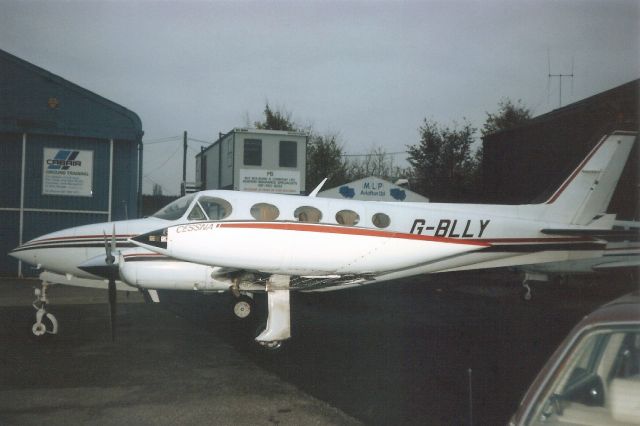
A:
(157, 190)
(325, 159)
(442, 163)
(279, 119)
(508, 115)
(376, 163)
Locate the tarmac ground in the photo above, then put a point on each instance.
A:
(450, 349)
(406, 352)
(161, 369)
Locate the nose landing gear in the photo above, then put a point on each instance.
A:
(45, 323)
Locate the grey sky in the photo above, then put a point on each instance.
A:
(371, 71)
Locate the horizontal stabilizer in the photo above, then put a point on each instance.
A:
(604, 234)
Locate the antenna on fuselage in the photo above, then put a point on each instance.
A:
(318, 188)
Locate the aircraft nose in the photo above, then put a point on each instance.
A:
(157, 238)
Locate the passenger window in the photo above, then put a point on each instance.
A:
(381, 220)
(308, 214)
(347, 217)
(215, 208)
(265, 212)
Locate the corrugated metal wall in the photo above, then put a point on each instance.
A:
(40, 110)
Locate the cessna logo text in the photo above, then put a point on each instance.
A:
(196, 227)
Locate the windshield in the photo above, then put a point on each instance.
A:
(176, 209)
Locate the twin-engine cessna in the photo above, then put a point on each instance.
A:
(249, 242)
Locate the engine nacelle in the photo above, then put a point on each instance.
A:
(159, 273)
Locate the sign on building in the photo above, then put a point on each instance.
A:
(273, 181)
(67, 172)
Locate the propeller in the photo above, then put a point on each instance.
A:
(110, 248)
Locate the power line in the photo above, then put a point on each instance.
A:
(161, 140)
(199, 140)
(374, 154)
(165, 162)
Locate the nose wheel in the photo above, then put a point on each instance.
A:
(45, 323)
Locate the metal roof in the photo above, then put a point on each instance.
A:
(33, 100)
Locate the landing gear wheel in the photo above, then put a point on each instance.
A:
(243, 307)
(39, 329)
(45, 324)
(271, 346)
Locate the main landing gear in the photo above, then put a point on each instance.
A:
(278, 327)
(45, 323)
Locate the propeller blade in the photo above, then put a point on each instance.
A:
(112, 308)
(113, 239)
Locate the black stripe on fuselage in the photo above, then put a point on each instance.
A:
(83, 244)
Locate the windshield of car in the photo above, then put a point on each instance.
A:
(176, 209)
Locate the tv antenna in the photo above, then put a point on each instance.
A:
(560, 77)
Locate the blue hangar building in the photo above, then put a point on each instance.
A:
(70, 157)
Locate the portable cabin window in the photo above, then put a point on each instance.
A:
(347, 218)
(308, 214)
(381, 220)
(288, 154)
(252, 152)
(265, 212)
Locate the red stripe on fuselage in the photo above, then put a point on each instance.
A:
(330, 229)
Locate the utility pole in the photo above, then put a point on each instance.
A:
(184, 164)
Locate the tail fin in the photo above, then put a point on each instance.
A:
(587, 191)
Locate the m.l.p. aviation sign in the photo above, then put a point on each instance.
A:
(67, 172)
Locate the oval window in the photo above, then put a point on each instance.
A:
(308, 214)
(347, 217)
(215, 208)
(265, 212)
(380, 220)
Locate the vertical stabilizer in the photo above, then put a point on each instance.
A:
(587, 191)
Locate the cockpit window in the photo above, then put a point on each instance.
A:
(176, 209)
(215, 208)
(196, 213)
(308, 214)
(265, 212)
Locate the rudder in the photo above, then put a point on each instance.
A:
(587, 192)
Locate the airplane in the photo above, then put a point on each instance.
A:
(219, 240)
(342, 244)
(622, 251)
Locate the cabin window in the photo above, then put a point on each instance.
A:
(288, 154)
(347, 217)
(252, 152)
(308, 214)
(215, 208)
(380, 220)
(265, 212)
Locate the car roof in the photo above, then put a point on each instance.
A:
(623, 309)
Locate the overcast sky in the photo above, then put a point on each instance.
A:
(371, 71)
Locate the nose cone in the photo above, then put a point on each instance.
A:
(154, 240)
(27, 252)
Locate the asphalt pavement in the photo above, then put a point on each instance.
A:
(161, 369)
(450, 349)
